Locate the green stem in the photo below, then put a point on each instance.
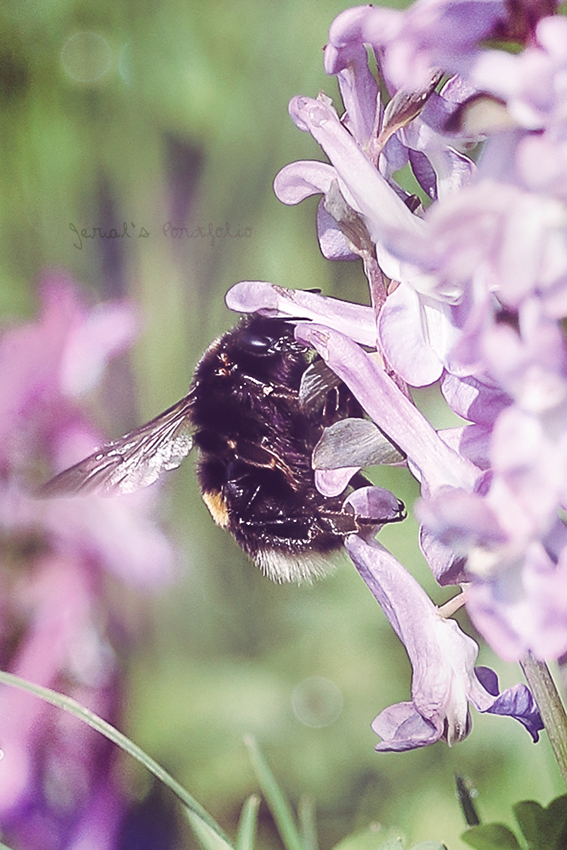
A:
(550, 707)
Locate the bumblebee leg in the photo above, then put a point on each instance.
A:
(320, 524)
(296, 529)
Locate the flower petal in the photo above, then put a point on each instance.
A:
(251, 296)
(402, 728)
(397, 417)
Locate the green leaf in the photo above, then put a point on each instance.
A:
(491, 836)
(246, 835)
(543, 828)
(275, 798)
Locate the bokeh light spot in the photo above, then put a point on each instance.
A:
(86, 57)
(317, 702)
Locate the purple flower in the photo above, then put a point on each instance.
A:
(439, 464)
(471, 291)
(250, 296)
(433, 34)
(531, 83)
(436, 464)
(445, 680)
(55, 785)
(512, 538)
(364, 212)
(389, 221)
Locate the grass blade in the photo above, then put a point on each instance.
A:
(208, 838)
(247, 825)
(274, 796)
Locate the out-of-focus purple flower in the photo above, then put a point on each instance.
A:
(57, 628)
(531, 83)
(512, 538)
(429, 34)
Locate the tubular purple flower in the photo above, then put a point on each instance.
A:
(438, 465)
(390, 223)
(418, 334)
(473, 293)
(301, 180)
(395, 231)
(477, 401)
(359, 91)
(524, 607)
(511, 240)
(531, 83)
(250, 296)
(517, 596)
(442, 658)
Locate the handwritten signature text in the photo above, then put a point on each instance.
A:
(111, 234)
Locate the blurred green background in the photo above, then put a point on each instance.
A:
(176, 112)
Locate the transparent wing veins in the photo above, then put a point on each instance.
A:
(133, 461)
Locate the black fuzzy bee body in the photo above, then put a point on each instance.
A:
(255, 439)
(256, 442)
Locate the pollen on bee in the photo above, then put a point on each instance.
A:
(217, 507)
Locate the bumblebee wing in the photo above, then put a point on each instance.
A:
(131, 462)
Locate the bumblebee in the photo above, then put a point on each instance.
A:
(255, 435)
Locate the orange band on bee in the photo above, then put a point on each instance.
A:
(217, 507)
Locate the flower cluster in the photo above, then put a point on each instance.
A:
(468, 287)
(58, 627)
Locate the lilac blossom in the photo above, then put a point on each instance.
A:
(364, 175)
(442, 656)
(56, 786)
(445, 680)
(513, 538)
(470, 290)
(444, 34)
(452, 467)
(438, 464)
